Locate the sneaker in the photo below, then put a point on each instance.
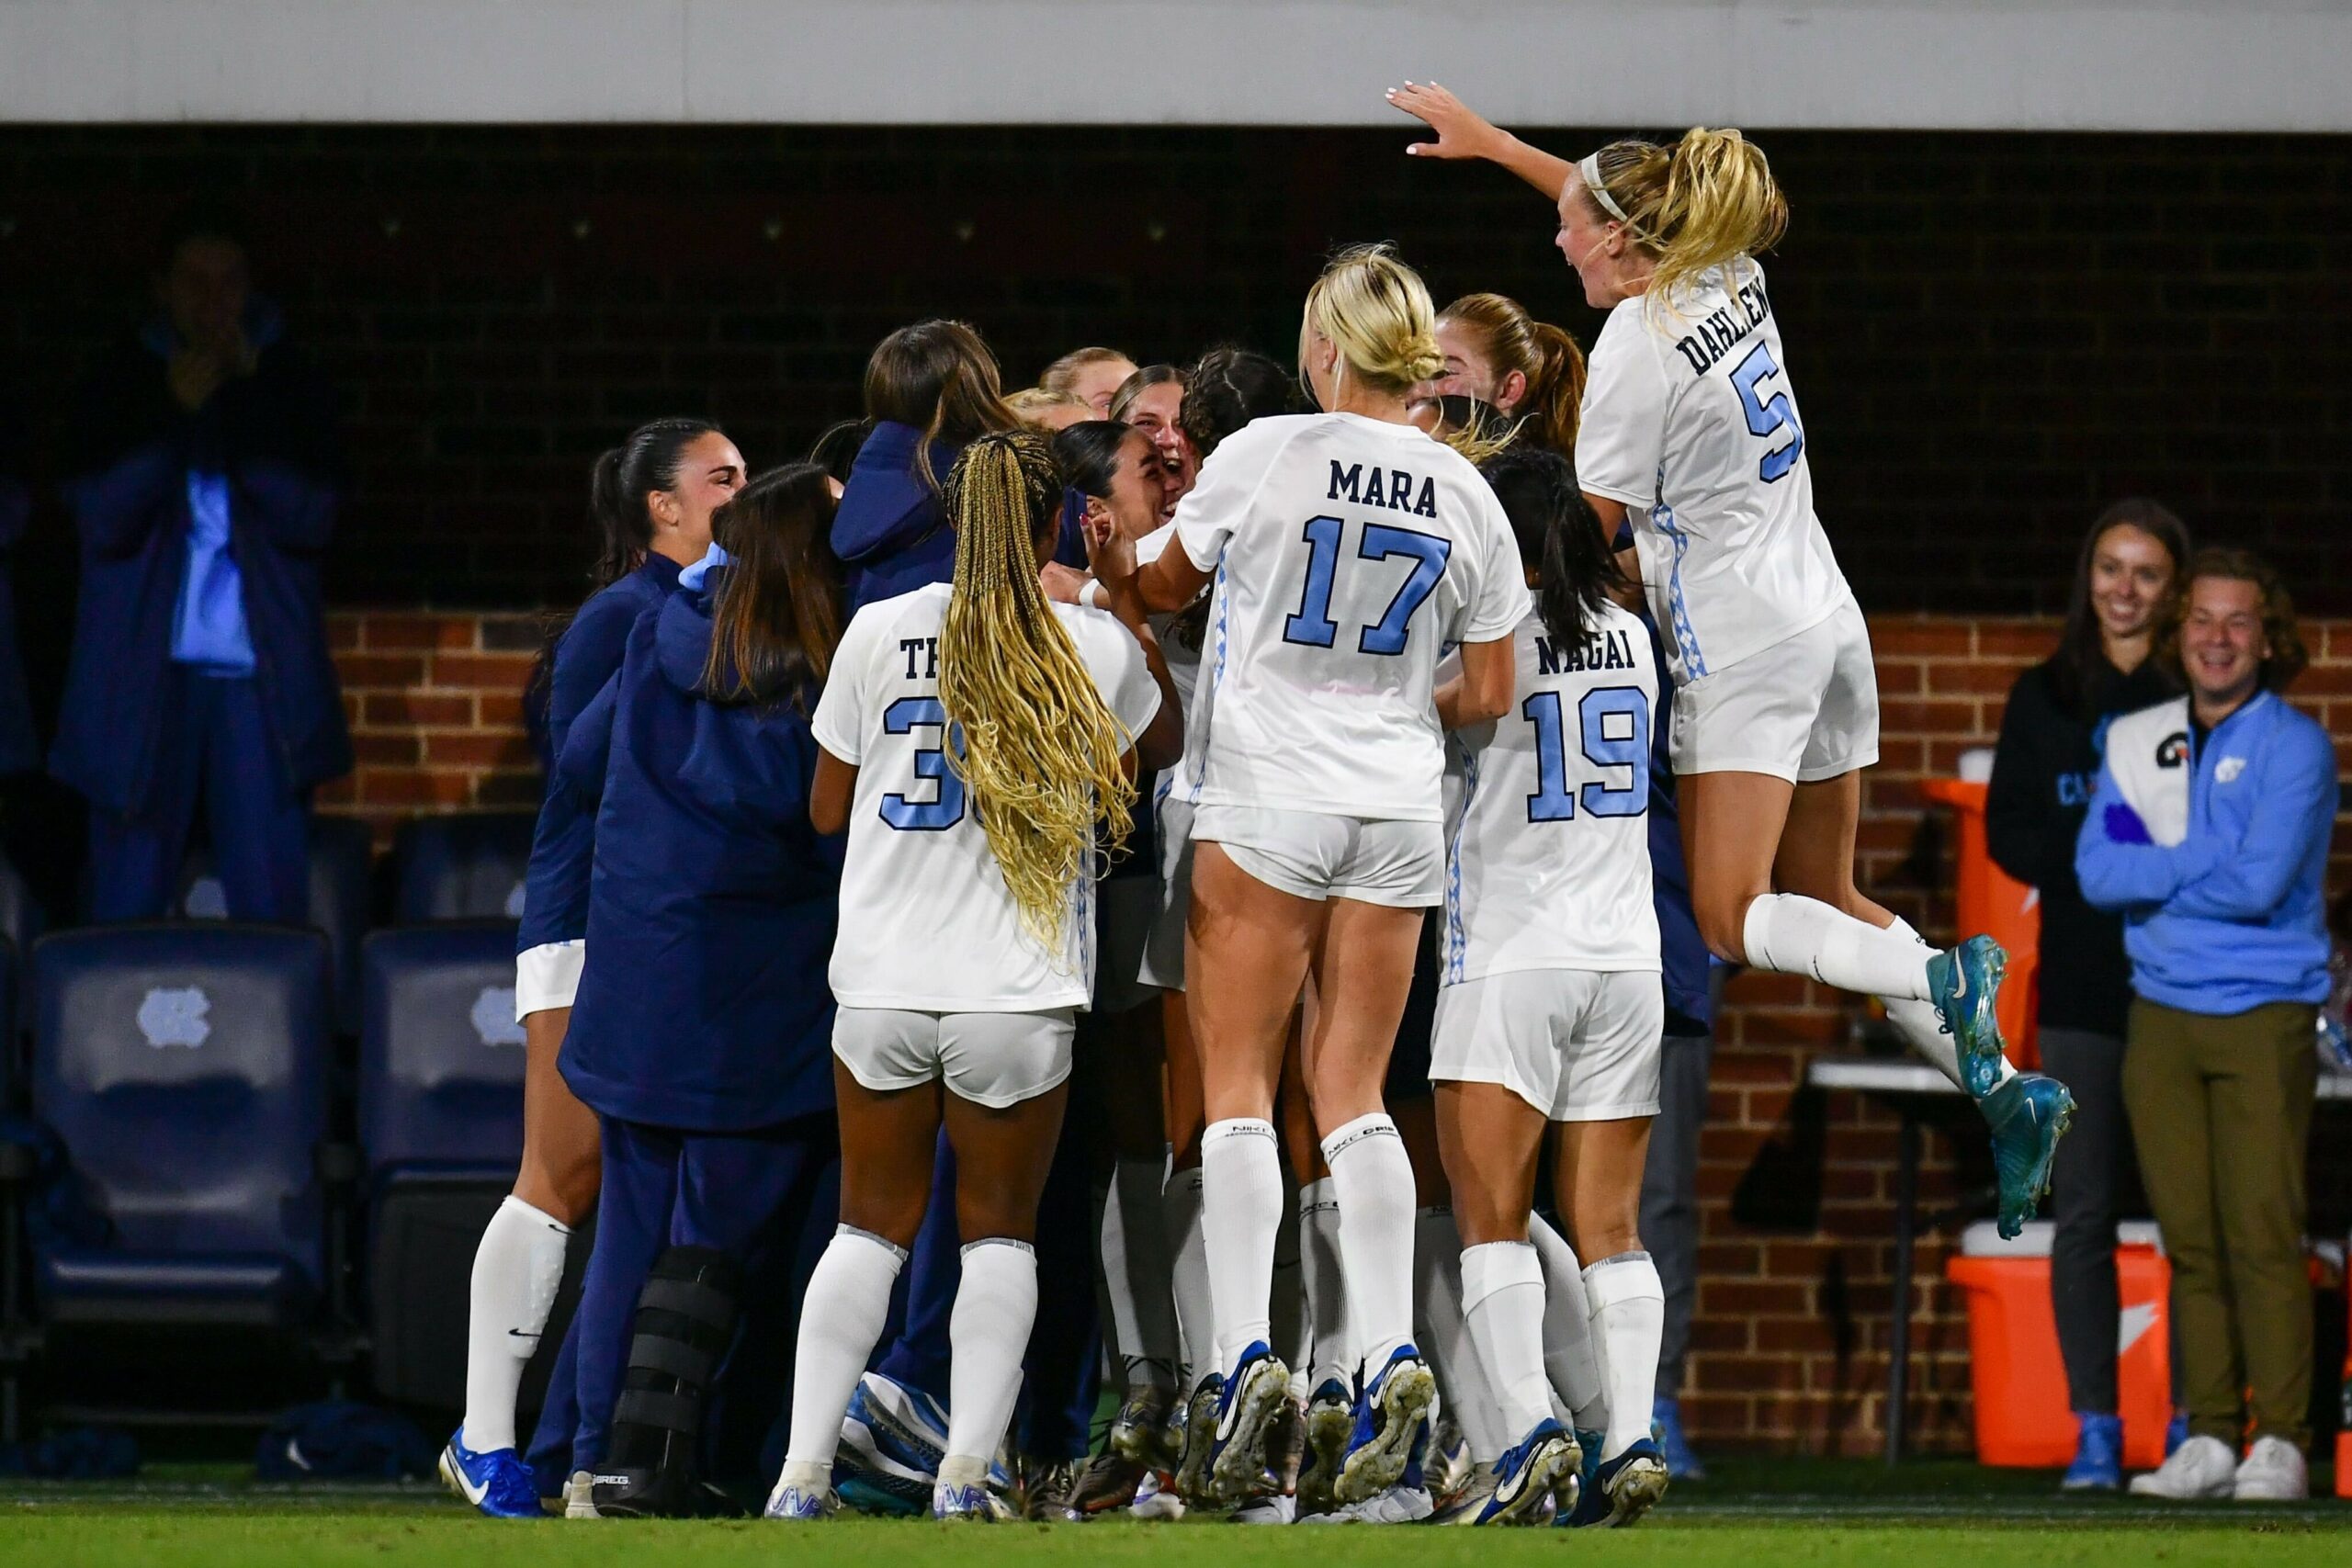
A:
(2029, 1114)
(2273, 1472)
(892, 1437)
(1266, 1508)
(1108, 1482)
(1399, 1505)
(2098, 1454)
(1665, 1426)
(1618, 1492)
(1156, 1498)
(495, 1481)
(1254, 1398)
(1392, 1417)
(1464, 1505)
(1330, 1418)
(1528, 1476)
(2200, 1467)
(1139, 1431)
(802, 1499)
(1965, 983)
(1200, 1438)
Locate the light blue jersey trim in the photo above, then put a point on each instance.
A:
(1686, 640)
(1206, 701)
(1457, 939)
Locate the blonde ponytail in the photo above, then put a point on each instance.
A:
(1706, 202)
(1376, 312)
(1038, 752)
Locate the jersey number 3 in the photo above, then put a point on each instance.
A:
(1312, 627)
(945, 808)
(1627, 747)
(1768, 416)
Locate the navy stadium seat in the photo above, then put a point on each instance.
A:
(465, 867)
(21, 923)
(341, 848)
(441, 1129)
(185, 1070)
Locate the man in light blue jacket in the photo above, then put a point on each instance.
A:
(2209, 834)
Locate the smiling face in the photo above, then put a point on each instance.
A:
(2223, 643)
(709, 471)
(1611, 268)
(1154, 413)
(2131, 573)
(1138, 500)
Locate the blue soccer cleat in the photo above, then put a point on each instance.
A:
(1966, 985)
(892, 1440)
(2098, 1454)
(1529, 1477)
(802, 1496)
(496, 1481)
(1618, 1492)
(2029, 1114)
(1254, 1397)
(1666, 1426)
(971, 1502)
(1392, 1417)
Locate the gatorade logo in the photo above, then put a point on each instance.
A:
(2133, 1324)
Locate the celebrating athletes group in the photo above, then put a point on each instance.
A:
(1024, 855)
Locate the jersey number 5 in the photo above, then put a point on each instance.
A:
(1768, 415)
(1628, 747)
(1312, 627)
(945, 808)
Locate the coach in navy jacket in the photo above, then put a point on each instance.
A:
(200, 659)
(702, 1036)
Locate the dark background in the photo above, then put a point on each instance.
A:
(1991, 335)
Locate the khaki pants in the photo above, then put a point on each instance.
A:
(2221, 1111)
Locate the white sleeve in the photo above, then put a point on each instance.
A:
(1219, 501)
(1621, 433)
(839, 723)
(1154, 545)
(1123, 677)
(1502, 599)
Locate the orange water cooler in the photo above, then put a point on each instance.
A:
(1990, 900)
(2020, 1380)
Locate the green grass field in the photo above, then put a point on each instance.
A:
(1931, 1514)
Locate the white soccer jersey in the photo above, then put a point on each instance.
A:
(1547, 812)
(1690, 419)
(1349, 553)
(927, 923)
(1183, 663)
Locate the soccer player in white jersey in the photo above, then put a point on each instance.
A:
(1347, 549)
(1690, 431)
(972, 735)
(1549, 1014)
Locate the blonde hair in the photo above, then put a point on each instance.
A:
(1376, 312)
(1707, 201)
(1029, 404)
(1061, 376)
(1543, 353)
(1036, 748)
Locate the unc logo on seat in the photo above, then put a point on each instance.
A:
(173, 1016)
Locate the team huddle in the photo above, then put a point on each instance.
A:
(1299, 767)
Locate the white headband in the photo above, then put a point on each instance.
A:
(1591, 169)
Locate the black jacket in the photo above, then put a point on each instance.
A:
(2042, 778)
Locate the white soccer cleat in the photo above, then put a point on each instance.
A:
(579, 1496)
(2273, 1473)
(1268, 1508)
(1396, 1506)
(2202, 1467)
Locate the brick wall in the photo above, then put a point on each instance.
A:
(1797, 1255)
(1993, 336)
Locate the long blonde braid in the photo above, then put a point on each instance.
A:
(1038, 751)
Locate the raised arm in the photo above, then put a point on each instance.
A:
(1462, 133)
(1162, 742)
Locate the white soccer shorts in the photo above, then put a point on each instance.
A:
(1577, 1044)
(1804, 709)
(996, 1059)
(1163, 951)
(1313, 854)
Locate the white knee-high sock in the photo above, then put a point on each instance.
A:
(1628, 1320)
(1804, 936)
(1922, 1027)
(1374, 1179)
(1196, 1329)
(1241, 1208)
(1327, 1285)
(1502, 1299)
(841, 1317)
(517, 1270)
(1571, 1360)
(1289, 1332)
(988, 1334)
(1136, 1274)
(1444, 1336)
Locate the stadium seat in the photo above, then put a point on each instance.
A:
(462, 868)
(183, 1069)
(341, 848)
(441, 1129)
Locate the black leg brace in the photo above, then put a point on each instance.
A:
(685, 1320)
